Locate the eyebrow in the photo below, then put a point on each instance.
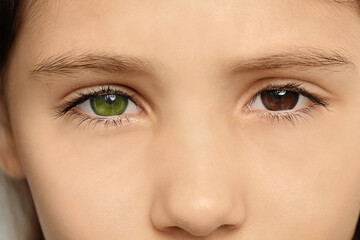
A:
(70, 63)
(302, 58)
(346, 3)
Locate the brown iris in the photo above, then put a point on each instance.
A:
(279, 100)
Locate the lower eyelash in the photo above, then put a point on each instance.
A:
(286, 116)
(90, 121)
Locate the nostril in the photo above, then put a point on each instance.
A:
(195, 218)
(194, 200)
(224, 227)
(194, 232)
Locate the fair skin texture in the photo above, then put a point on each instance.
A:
(195, 162)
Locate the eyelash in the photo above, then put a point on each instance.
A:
(290, 116)
(67, 107)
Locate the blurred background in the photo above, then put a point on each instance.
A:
(16, 210)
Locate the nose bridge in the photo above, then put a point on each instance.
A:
(195, 120)
(197, 183)
(197, 141)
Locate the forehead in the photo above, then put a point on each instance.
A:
(35, 11)
(34, 8)
(141, 27)
(38, 13)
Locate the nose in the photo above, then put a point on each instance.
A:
(198, 192)
(197, 214)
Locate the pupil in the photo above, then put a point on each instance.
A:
(279, 100)
(110, 99)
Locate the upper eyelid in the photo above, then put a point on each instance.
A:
(286, 87)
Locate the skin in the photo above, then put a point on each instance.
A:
(196, 163)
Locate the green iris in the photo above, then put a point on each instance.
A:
(108, 105)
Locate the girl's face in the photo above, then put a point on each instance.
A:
(206, 120)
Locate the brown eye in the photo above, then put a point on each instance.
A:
(279, 100)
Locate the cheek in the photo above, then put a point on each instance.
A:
(305, 177)
(78, 174)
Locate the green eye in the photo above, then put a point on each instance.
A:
(108, 105)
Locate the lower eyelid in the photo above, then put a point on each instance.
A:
(111, 121)
(292, 117)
